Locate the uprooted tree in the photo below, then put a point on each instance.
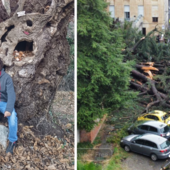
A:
(35, 52)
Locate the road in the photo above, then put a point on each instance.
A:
(139, 162)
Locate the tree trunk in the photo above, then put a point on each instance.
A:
(40, 37)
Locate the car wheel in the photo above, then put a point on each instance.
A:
(154, 157)
(127, 149)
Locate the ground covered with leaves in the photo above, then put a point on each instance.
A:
(45, 152)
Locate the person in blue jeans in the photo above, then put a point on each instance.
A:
(7, 101)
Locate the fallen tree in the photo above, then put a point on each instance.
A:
(150, 75)
(146, 83)
(35, 52)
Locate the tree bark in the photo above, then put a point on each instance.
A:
(41, 36)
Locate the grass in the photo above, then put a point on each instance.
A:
(88, 166)
(115, 162)
(82, 148)
(97, 140)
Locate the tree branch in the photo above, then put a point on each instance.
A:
(151, 104)
(140, 75)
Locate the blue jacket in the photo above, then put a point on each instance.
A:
(7, 93)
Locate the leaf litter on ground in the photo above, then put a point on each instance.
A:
(38, 153)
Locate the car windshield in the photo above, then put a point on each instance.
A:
(165, 144)
(165, 129)
(164, 117)
(137, 137)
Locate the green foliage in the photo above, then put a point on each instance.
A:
(115, 162)
(122, 119)
(97, 140)
(149, 49)
(88, 166)
(82, 148)
(125, 114)
(103, 78)
(131, 35)
(120, 133)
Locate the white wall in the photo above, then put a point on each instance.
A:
(166, 13)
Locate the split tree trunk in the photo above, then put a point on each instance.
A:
(41, 33)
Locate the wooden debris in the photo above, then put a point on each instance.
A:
(149, 68)
(20, 55)
(149, 73)
(148, 63)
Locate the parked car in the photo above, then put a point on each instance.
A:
(153, 127)
(156, 115)
(154, 146)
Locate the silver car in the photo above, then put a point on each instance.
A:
(154, 127)
(154, 146)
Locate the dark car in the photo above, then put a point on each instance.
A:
(154, 146)
(153, 127)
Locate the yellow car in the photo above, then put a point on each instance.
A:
(156, 115)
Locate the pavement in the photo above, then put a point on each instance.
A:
(140, 162)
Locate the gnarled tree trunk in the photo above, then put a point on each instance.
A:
(40, 37)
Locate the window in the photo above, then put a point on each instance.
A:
(127, 12)
(152, 117)
(112, 10)
(140, 10)
(152, 129)
(154, 19)
(155, 117)
(144, 31)
(165, 129)
(165, 144)
(154, 13)
(143, 127)
(164, 117)
(150, 144)
(148, 117)
(139, 141)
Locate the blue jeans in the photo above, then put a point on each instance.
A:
(12, 123)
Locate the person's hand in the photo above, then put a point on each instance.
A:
(7, 114)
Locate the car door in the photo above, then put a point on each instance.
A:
(148, 148)
(142, 129)
(137, 145)
(148, 117)
(153, 130)
(155, 118)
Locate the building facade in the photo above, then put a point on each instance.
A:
(146, 14)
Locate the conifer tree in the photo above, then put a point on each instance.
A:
(103, 78)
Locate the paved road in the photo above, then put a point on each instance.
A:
(139, 162)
